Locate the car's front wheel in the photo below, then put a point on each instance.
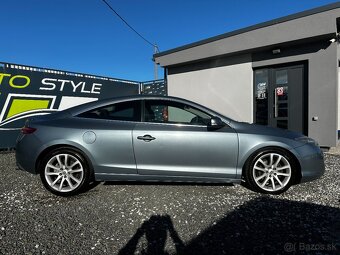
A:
(270, 171)
(64, 172)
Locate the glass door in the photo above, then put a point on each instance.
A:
(280, 115)
(280, 97)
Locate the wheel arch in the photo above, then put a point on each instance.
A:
(59, 146)
(294, 158)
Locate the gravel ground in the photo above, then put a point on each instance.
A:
(160, 219)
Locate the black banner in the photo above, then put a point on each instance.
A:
(29, 91)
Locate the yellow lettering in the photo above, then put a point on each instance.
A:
(2, 75)
(11, 81)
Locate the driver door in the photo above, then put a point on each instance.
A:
(173, 140)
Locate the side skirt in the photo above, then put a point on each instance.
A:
(161, 178)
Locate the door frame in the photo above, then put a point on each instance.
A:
(305, 111)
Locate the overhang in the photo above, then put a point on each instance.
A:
(315, 23)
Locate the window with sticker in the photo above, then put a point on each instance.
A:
(163, 111)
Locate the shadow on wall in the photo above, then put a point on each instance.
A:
(261, 226)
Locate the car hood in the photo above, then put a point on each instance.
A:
(242, 127)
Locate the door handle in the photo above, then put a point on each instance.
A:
(146, 138)
(276, 110)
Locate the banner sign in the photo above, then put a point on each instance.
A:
(29, 91)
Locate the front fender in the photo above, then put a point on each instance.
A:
(248, 147)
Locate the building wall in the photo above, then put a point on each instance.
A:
(228, 87)
(224, 85)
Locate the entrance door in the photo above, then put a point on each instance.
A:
(280, 97)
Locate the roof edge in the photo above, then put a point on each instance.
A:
(252, 27)
(67, 72)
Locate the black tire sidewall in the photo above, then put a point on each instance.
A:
(87, 173)
(248, 175)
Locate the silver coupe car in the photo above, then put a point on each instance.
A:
(143, 138)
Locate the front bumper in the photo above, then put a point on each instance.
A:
(311, 160)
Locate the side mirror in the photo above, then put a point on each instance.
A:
(215, 123)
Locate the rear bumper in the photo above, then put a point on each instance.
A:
(311, 160)
(26, 152)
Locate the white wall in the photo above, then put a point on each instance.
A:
(226, 89)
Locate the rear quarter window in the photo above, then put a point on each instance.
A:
(125, 111)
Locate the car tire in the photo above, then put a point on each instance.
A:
(65, 172)
(270, 171)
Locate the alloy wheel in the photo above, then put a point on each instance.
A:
(272, 172)
(64, 172)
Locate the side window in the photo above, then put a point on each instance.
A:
(126, 111)
(163, 111)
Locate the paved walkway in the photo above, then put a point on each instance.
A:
(334, 150)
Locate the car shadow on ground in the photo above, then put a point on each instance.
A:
(261, 226)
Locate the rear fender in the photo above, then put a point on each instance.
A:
(64, 143)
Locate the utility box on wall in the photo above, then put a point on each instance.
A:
(30, 91)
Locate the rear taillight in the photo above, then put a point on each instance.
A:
(28, 130)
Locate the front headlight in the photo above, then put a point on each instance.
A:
(305, 139)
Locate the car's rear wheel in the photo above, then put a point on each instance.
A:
(271, 171)
(64, 172)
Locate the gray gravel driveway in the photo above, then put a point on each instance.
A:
(123, 218)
